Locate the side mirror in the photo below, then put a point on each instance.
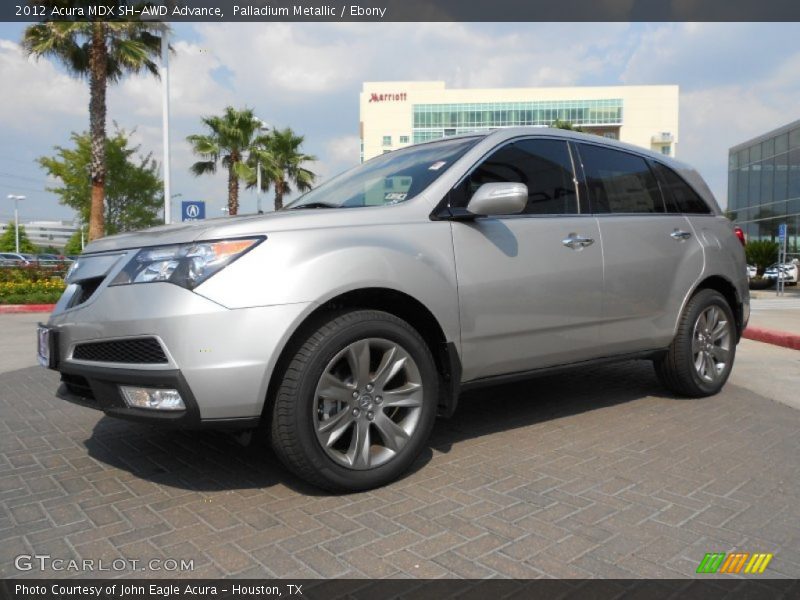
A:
(499, 199)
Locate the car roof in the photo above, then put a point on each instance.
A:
(506, 133)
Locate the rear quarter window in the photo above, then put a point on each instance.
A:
(679, 196)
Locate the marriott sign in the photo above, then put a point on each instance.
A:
(399, 97)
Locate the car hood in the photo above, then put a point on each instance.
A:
(285, 220)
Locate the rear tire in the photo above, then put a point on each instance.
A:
(356, 403)
(700, 357)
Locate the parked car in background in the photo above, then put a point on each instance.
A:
(787, 272)
(752, 271)
(343, 324)
(12, 259)
(52, 261)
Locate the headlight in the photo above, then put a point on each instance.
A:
(186, 265)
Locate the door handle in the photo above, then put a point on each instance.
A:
(680, 235)
(577, 242)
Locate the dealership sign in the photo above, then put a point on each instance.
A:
(193, 210)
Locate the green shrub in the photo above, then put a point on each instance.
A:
(761, 253)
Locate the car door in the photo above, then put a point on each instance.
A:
(529, 285)
(652, 258)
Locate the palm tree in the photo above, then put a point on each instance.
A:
(232, 140)
(103, 52)
(282, 161)
(567, 125)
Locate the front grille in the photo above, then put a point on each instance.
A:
(77, 386)
(145, 351)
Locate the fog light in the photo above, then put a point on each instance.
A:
(153, 398)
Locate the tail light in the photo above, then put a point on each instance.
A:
(740, 234)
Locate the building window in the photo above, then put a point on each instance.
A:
(434, 121)
(665, 150)
(610, 135)
(387, 140)
(403, 139)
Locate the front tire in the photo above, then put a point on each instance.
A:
(700, 357)
(356, 403)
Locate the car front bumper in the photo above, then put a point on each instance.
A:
(220, 360)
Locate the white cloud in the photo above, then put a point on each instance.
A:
(343, 149)
(193, 90)
(36, 94)
(306, 60)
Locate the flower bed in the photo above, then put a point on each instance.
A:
(41, 291)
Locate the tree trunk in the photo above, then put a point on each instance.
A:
(278, 195)
(233, 189)
(98, 80)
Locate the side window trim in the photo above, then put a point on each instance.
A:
(508, 142)
(670, 204)
(585, 200)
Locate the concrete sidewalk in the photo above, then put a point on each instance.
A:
(775, 319)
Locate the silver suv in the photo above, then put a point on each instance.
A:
(346, 322)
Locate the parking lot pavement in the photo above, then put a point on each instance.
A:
(590, 473)
(769, 371)
(18, 341)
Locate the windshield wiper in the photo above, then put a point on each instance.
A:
(313, 205)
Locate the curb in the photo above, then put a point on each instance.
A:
(13, 309)
(771, 336)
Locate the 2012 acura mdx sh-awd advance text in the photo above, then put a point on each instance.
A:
(347, 321)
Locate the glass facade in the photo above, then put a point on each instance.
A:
(433, 121)
(764, 185)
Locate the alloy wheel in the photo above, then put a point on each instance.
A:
(711, 344)
(367, 403)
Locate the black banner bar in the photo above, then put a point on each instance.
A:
(400, 589)
(402, 10)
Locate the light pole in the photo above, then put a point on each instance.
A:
(165, 121)
(262, 126)
(16, 198)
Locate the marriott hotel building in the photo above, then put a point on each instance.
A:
(395, 114)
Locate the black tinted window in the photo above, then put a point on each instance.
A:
(543, 165)
(680, 196)
(619, 182)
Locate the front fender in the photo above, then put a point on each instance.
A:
(316, 265)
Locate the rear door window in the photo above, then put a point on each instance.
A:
(619, 182)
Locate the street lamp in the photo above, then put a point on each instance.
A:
(165, 122)
(16, 198)
(262, 126)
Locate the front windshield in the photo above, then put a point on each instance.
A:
(388, 179)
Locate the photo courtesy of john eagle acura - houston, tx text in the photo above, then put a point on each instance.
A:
(343, 324)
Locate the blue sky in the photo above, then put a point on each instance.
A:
(737, 80)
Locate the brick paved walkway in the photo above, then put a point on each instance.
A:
(592, 474)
